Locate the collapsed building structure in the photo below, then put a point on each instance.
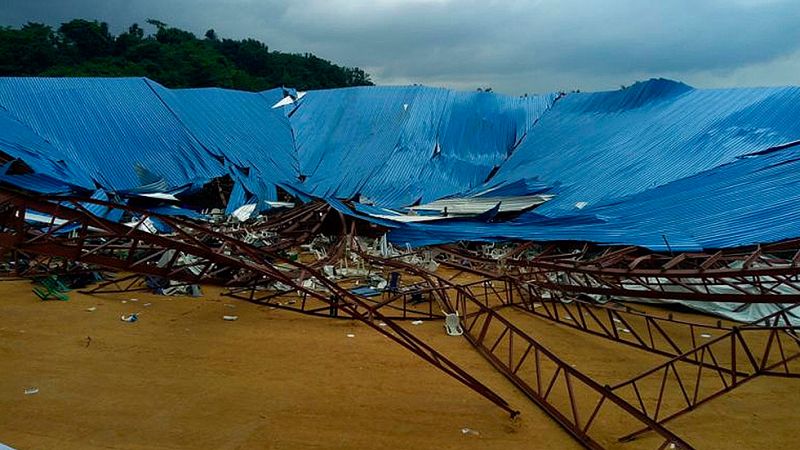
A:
(386, 204)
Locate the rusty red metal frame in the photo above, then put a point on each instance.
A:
(760, 275)
(193, 254)
(738, 356)
(546, 285)
(529, 365)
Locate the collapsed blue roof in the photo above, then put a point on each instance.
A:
(400, 145)
(659, 164)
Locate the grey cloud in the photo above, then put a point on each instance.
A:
(515, 46)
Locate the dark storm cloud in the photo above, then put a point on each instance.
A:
(515, 46)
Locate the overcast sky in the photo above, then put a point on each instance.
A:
(513, 46)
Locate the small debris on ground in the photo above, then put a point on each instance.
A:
(705, 335)
(351, 335)
(147, 305)
(230, 318)
(470, 431)
(416, 322)
(31, 391)
(129, 318)
(91, 309)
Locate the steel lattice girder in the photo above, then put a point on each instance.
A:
(193, 254)
(730, 276)
(766, 347)
(529, 365)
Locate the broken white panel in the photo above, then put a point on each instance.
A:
(147, 225)
(473, 206)
(160, 196)
(244, 212)
(288, 100)
(280, 204)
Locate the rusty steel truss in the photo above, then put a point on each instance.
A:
(579, 287)
(193, 253)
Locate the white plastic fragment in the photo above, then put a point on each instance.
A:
(130, 318)
(705, 335)
(230, 318)
(31, 391)
(470, 431)
(350, 335)
(416, 322)
(382, 324)
(91, 309)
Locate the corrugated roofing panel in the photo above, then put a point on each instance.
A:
(106, 126)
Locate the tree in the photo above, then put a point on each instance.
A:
(86, 39)
(27, 51)
(171, 56)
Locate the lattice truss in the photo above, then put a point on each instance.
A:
(579, 288)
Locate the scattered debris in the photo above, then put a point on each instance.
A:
(470, 432)
(416, 322)
(129, 318)
(452, 325)
(230, 318)
(31, 391)
(350, 335)
(91, 309)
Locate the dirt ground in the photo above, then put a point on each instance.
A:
(182, 377)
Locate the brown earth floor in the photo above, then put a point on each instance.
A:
(181, 377)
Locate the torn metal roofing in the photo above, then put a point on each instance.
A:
(400, 145)
(659, 164)
(105, 127)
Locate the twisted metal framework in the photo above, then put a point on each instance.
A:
(193, 254)
(554, 385)
(558, 286)
(767, 347)
(764, 274)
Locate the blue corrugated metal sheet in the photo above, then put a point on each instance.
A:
(399, 145)
(656, 163)
(241, 128)
(602, 146)
(20, 142)
(659, 160)
(104, 127)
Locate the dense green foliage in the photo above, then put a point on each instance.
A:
(173, 57)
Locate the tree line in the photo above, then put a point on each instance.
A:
(173, 57)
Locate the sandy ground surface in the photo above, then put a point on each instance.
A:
(181, 378)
